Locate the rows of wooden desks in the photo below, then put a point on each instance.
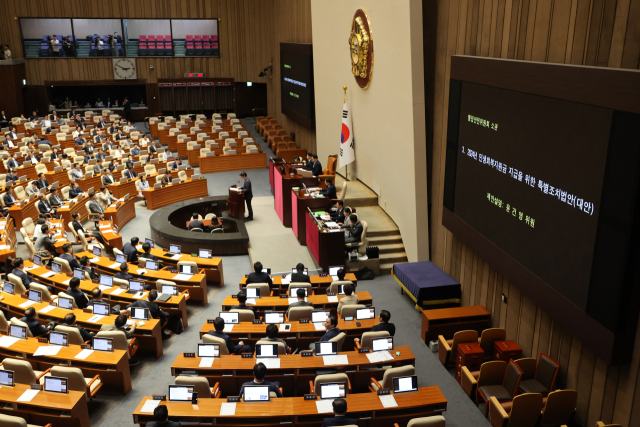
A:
(175, 306)
(299, 336)
(57, 408)
(193, 154)
(294, 372)
(281, 304)
(296, 411)
(120, 189)
(196, 284)
(8, 240)
(319, 283)
(232, 162)
(172, 193)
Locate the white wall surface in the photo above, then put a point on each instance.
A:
(145, 27)
(183, 27)
(36, 28)
(388, 116)
(89, 27)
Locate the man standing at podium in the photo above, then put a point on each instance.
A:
(248, 194)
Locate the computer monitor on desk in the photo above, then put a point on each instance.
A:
(6, 378)
(333, 390)
(256, 393)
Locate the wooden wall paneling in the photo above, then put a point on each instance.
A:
(606, 33)
(610, 391)
(594, 407)
(584, 384)
(631, 50)
(617, 36)
(527, 325)
(558, 31)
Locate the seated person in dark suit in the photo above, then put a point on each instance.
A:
(258, 276)
(176, 164)
(37, 330)
(299, 276)
(167, 178)
(130, 173)
(161, 416)
(55, 199)
(330, 191)
(331, 325)
(154, 309)
(129, 162)
(384, 324)
(75, 190)
(13, 176)
(124, 272)
(79, 228)
(195, 223)
(309, 165)
(218, 324)
(355, 231)
(242, 299)
(300, 293)
(10, 196)
(18, 270)
(317, 166)
(130, 251)
(338, 214)
(70, 320)
(146, 247)
(74, 291)
(67, 255)
(259, 372)
(13, 161)
(42, 181)
(340, 411)
(96, 296)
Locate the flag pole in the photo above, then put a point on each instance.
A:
(346, 172)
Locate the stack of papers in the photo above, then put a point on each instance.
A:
(28, 395)
(66, 282)
(176, 256)
(102, 287)
(324, 406)
(7, 341)
(251, 301)
(48, 274)
(388, 401)
(46, 309)
(47, 350)
(340, 359)
(292, 300)
(206, 362)
(115, 265)
(181, 277)
(228, 328)
(33, 267)
(95, 318)
(332, 298)
(149, 406)
(96, 259)
(83, 354)
(3, 247)
(286, 280)
(117, 291)
(271, 362)
(109, 225)
(319, 326)
(379, 356)
(228, 409)
(27, 303)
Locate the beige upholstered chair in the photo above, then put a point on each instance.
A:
(65, 295)
(77, 381)
(18, 287)
(200, 386)
(66, 268)
(18, 322)
(365, 341)
(297, 313)
(314, 386)
(335, 286)
(299, 285)
(281, 348)
(490, 373)
(244, 315)
(120, 341)
(524, 411)
(488, 337)
(350, 310)
(10, 421)
(206, 338)
(44, 291)
(4, 324)
(447, 348)
(339, 339)
(389, 375)
(73, 334)
(265, 291)
(23, 372)
(433, 421)
(559, 408)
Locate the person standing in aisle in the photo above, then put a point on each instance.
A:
(248, 194)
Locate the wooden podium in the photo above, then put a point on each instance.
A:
(236, 203)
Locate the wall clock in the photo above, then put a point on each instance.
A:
(361, 48)
(124, 69)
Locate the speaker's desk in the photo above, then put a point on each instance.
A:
(448, 321)
(294, 372)
(366, 408)
(283, 182)
(124, 213)
(300, 201)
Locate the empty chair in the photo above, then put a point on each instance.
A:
(244, 315)
(433, 421)
(265, 291)
(350, 310)
(23, 372)
(524, 411)
(314, 386)
(447, 349)
(206, 338)
(77, 381)
(389, 375)
(10, 421)
(120, 342)
(545, 377)
(66, 268)
(503, 391)
(297, 313)
(4, 324)
(488, 337)
(365, 341)
(200, 386)
(46, 295)
(559, 408)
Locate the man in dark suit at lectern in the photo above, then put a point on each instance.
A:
(248, 195)
(317, 167)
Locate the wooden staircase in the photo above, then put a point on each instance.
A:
(391, 248)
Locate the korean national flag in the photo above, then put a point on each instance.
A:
(347, 152)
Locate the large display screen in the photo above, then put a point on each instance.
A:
(529, 177)
(296, 73)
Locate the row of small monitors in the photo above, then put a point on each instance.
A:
(260, 393)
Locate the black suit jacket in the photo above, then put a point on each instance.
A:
(317, 169)
(300, 278)
(309, 165)
(330, 192)
(73, 263)
(75, 192)
(233, 348)
(272, 387)
(259, 278)
(35, 327)
(389, 327)
(44, 207)
(79, 296)
(338, 216)
(165, 424)
(338, 420)
(356, 230)
(131, 252)
(154, 310)
(40, 184)
(196, 224)
(130, 174)
(7, 200)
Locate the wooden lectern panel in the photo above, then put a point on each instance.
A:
(236, 203)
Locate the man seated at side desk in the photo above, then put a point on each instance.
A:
(340, 418)
(70, 321)
(242, 299)
(330, 191)
(124, 274)
(130, 251)
(161, 416)
(338, 215)
(384, 325)
(300, 293)
(355, 230)
(196, 223)
(299, 276)
(155, 311)
(258, 276)
(331, 325)
(67, 255)
(349, 298)
(74, 291)
(259, 372)
(146, 248)
(96, 296)
(218, 324)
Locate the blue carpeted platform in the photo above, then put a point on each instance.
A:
(427, 285)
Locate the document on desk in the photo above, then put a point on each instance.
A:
(3, 247)
(388, 401)
(142, 271)
(331, 224)
(83, 354)
(104, 287)
(47, 309)
(206, 362)
(319, 326)
(271, 362)
(340, 359)
(292, 300)
(47, 350)
(7, 341)
(117, 291)
(335, 230)
(228, 328)
(48, 274)
(176, 256)
(28, 395)
(66, 282)
(94, 260)
(105, 226)
(95, 318)
(332, 298)
(324, 406)
(379, 356)
(234, 189)
(27, 303)
(149, 406)
(251, 301)
(33, 267)
(115, 265)
(139, 295)
(182, 277)
(228, 409)
(285, 280)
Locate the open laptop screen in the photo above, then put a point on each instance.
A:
(405, 384)
(6, 378)
(366, 313)
(208, 350)
(333, 390)
(326, 348)
(266, 350)
(382, 344)
(319, 316)
(180, 393)
(274, 317)
(230, 318)
(256, 393)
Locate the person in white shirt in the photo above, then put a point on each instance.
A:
(144, 185)
(162, 156)
(55, 45)
(7, 52)
(46, 125)
(144, 141)
(100, 47)
(118, 152)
